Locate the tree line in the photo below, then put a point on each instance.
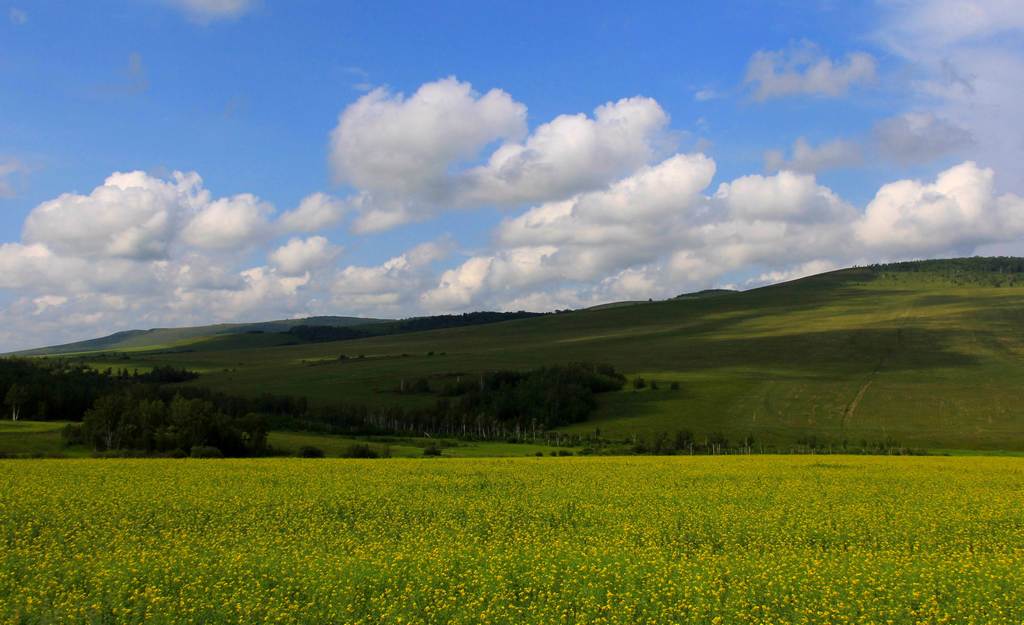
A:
(323, 333)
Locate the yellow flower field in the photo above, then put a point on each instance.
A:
(529, 540)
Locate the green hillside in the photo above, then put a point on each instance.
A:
(925, 354)
(166, 338)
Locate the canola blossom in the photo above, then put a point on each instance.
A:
(528, 540)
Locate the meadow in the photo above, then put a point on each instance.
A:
(740, 539)
(42, 438)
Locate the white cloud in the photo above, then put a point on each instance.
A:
(787, 196)
(205, 11)
(389, 144)
(300, 255)
(144, 251)
(651, 234)
(810, 268)
(965, 62)
(131, 215)
(391, 287)
(569, 154)
(315, 212)
(807, 158)
(581, 239)
(44, 302)
(919, 137)
(229, 223)
(803, 69)
(957, 213)
(410, 158)
(931, 24)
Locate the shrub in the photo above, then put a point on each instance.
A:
(72, 435)
(564, 452)
(205, 451)
(309, 451)
(654, 385)
(639, 383)
(674, 386)
(432, 450)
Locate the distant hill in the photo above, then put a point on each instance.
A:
(706, 293)
(169, 338)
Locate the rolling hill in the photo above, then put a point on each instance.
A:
(169, 338)
(929, 354)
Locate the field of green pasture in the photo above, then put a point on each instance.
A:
(843, 356)
(741, 539)
(26, 438)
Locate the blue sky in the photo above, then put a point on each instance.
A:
(809, 135)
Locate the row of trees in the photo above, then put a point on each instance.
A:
(316, 333)
(498, 405)
(62, 389)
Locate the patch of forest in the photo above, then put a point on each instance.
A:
(322, 333)
(152, 414)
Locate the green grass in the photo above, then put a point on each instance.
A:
(26, 438)
(692, 540)
(930, 360)
(191, 337)
(407, 447)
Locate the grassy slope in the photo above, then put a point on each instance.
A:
(188, 338)
(34, 437)
(290, 442)
(846, 355)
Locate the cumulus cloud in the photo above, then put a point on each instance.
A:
(411, 157)
(806, 158)
(138, 216)
(205, 11)
(657, 233)
(393, 285)
(787, 196)
(145, 251)
(570, 153)
(387, 143)
(131, 215)
(315, 212)
(229, 223)
(919, 137)
(646, 235)
(957, 213)
(300, 255)
(803, 69)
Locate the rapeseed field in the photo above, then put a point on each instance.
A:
(825, 539)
